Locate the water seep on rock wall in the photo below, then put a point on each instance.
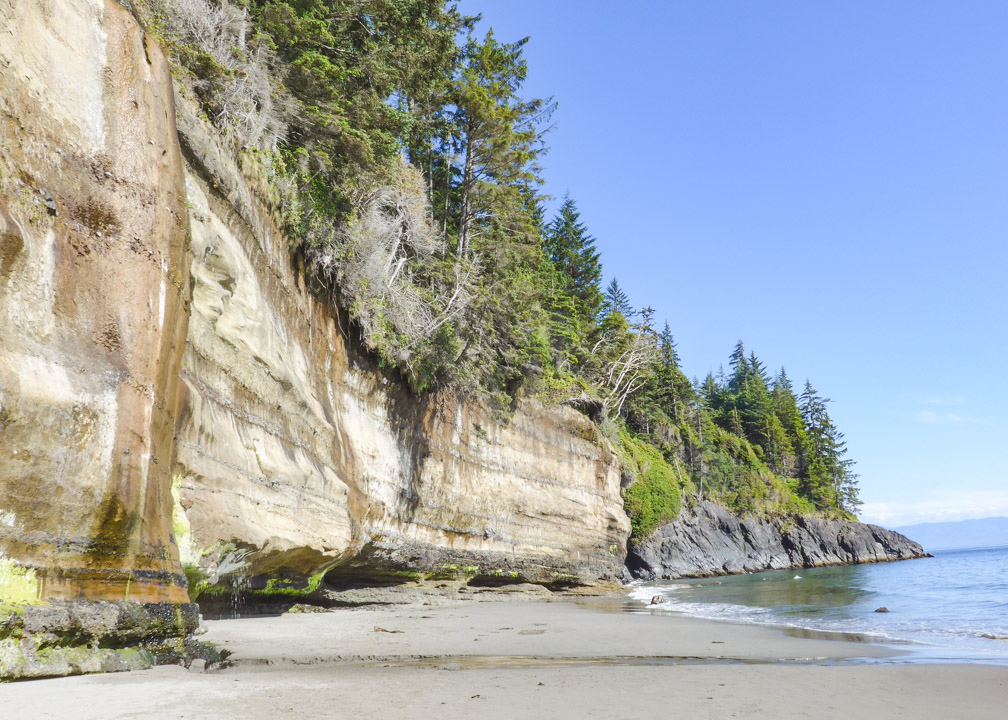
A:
(709, 540)
(94, 294)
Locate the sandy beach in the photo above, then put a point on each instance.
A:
(521, 659)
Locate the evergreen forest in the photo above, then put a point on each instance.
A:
(405, 154)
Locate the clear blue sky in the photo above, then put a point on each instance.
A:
(827, 181)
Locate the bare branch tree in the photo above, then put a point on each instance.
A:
(382, 264)
(246, 101)
(629, 370)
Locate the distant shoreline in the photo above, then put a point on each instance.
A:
(998, 546)
(972, 534)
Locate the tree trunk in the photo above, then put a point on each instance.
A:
(430, 180)
(465, 219)
(447, 198)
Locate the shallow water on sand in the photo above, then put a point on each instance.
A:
(952, 607)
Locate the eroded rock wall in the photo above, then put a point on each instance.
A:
(296, 454)
(256, 442)
(94, 291)
(708, 540)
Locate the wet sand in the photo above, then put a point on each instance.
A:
(521, 659)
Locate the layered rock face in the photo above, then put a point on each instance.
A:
(708, 540)
(163, 406)
(94, 294)
(297, 455)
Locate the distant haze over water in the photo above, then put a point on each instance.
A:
(987, 532)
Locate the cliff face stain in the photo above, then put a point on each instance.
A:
(98, 217)
(11, 242)
(92, 328)
(115, 524)
(11, 245)
(109, 338)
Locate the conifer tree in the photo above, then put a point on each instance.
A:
(737, 361)
(344, 60)
(616, 300)
(499, 134)
(572, 251)
(498, 137)
(670, 353)
(674, 391)
(710, 392)
(785, 407)
(758, 368)
(827, 475)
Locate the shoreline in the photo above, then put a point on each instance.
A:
(575, 657)
(938, 611)
(900, 651)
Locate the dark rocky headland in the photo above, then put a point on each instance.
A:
(708, 540)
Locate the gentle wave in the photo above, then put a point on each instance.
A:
(743, 614)
(954, 603)
(644, 593)
(917, 633)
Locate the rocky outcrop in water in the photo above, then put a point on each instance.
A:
(709, 540)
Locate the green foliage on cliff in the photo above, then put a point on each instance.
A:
(407, 156)
(655, 495)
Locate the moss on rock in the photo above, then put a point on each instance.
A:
(18, 585)
(654, 497)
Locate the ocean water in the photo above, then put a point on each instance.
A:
(949, 608)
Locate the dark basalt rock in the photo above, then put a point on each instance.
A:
(709, 540)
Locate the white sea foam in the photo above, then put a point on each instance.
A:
(644, 593)
(950, 609)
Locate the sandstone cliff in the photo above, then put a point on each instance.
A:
(94, 292)
(178, 412)
(163, 406)
(297, 454)
(708, 540)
